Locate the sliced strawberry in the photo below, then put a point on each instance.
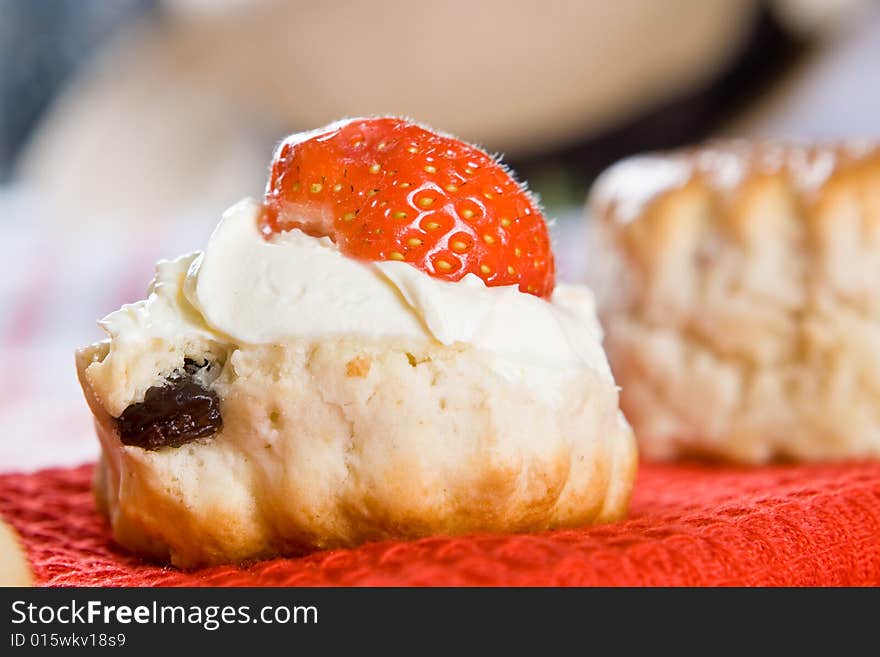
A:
(388, 189)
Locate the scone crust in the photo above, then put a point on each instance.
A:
(14, 569)
(737, 289)
(333, 442)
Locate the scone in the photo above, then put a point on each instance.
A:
(14, 570)
(376, 350)
(738, 292)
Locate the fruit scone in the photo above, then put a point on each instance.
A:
(737, 286)
(377, 349)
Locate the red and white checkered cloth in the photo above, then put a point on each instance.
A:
(56, 280)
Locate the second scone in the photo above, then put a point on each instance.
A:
(737, 287)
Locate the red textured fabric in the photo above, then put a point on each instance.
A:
(690, 525)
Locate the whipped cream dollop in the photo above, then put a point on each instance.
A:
(245, 289)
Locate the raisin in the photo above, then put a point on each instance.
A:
(173, 414)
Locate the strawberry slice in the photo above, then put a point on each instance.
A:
(388, 189)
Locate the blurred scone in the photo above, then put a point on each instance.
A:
(737, 285)
(14, 570)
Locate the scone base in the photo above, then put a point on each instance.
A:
(333, 443)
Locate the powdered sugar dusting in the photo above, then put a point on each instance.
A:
(623, 191)
(631, 184)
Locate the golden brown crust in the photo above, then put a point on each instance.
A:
(739, 298)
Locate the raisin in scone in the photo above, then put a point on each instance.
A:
(738, 292)
(378, 349)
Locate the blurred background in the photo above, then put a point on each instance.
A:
(127, 126)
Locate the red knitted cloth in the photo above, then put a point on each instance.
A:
(689, 525)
